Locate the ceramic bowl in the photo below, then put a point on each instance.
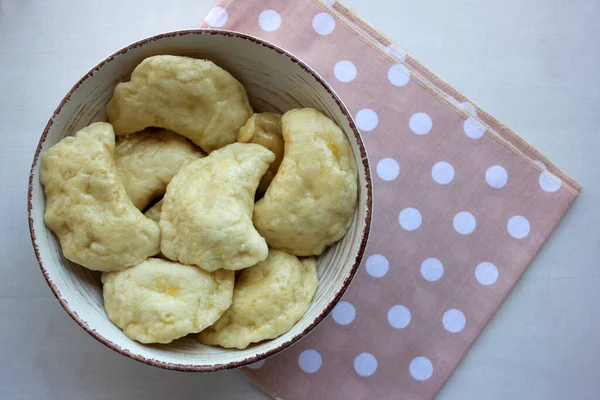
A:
(275, 81)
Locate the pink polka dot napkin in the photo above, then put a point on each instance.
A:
(461, 206)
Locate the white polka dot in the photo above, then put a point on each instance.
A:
(432, 269)
(398, 75)
(486, 273)
(377, 265)
(420, 123)
(323, 23)
(343, 313)
(365, 364)
(399, 316)
(396, 51)
(257, 364)
(454, 320)
(540, 163)
(310, 361)
(442, 173)
(496, 176)
(518, 227)
(549, 182)
(464, 223)
(345, 71)
(217, 17)
(366, 119)
(269, 20)
(388, 169)
(410, 219)
(421, 368)
(473, 129)
(469, 108)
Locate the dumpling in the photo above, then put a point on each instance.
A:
(194, 98)
(206, 217)
(268, 299)
(264, 129)
(154, 212)
(159, 301)
(87, 207)
(147, 161)
(310, 202)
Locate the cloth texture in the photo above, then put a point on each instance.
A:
(461, 206)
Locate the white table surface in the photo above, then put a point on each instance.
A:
(532, 63)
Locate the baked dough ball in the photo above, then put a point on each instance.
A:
(310, 202)
(268, 299)
(154, 212)
(159, 301)
(87, 207)
(206, 217)
(195, 98)
(147, 161)
(264, 129)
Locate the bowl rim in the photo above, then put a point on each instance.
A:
(364, 234)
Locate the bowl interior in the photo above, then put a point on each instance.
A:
(275, 81)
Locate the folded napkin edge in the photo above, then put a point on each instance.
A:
(379, 42)
(248, 373)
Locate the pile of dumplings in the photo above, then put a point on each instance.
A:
(203, 217)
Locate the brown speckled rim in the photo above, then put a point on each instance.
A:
(363, 236)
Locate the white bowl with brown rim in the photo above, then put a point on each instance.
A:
(275, 81)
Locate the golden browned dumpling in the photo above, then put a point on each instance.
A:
(87, 207)
(147, 161)
(206, 217)
(159, 301)
(264, 129)
(310, 202)
(194, 98)
(268, 299)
